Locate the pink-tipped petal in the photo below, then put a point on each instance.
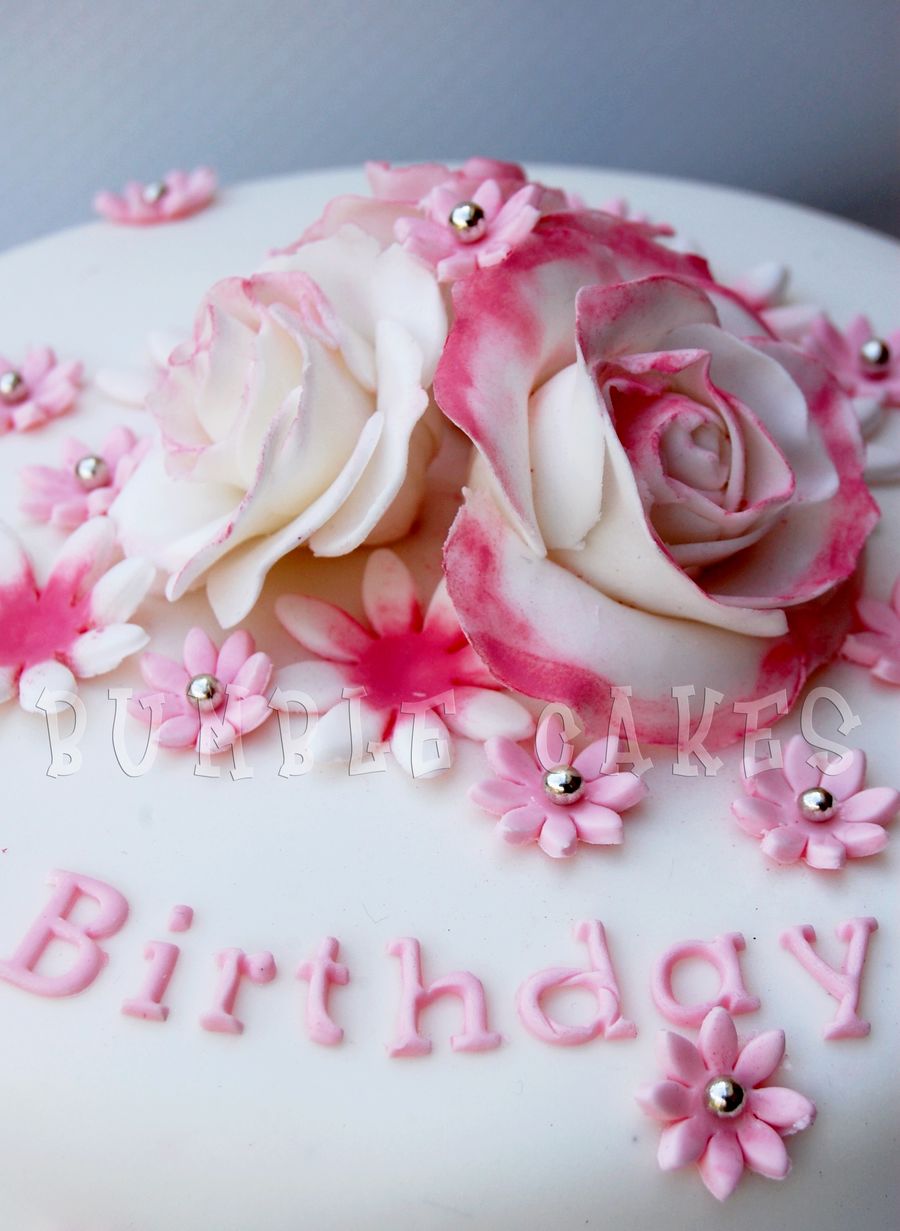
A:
(322, 628)
(389, 595)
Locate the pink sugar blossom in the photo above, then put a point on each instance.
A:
(62, 498)
(75, 624)
(878, 645)
(842, 354)
(507, 221)
(177, 195)
(239, 678)
(823, 816)
(409, 659)
(530, 812)
(36, 390)
(717, 1111)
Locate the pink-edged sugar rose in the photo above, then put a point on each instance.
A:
(299, 414)
(663, 495)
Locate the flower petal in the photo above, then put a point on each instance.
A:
(847, 781)
(763, 1148)
(120, 591)
(50, 676)
(163, 674)
(759, 1058)
(421, 746)
(824, 851)
(859, 838)
(441, 618)
(254, 675)
(8, 683)
(200, 653)
(332, 741)
(680, 1059)
(236, 649)
(482, 713)
(597, 758)
(877, 803)
(181, 731)
(322, 628)
(755, 816)
(512, 762)
(321, 680)
(389, 595)
(682, 1143)
(558, 837)
(102, 649)
(616, 791)
(595, 824)
(783, 1108)
(784, 843)
(799, 773)
(497, 795)
(722, 1166)
(522, 824)
(718, 1041)
(666, 1100)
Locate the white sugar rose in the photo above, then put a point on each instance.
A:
(299, 413)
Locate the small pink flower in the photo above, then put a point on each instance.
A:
(620, 207)
(878, 647)
(562, 806)
(86, 484)
(497, 224)
(408, 659)
(822, 816)
(177, 195)
(211, 698)
(73, 626)
(866, 365)
(717, 1111)
(38, 389)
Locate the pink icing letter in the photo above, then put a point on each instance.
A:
(320, 972)
(722, 954)
(599, 979)
(843, 984)
(235, 965)
(147, 1004)
(415, 996)
(53, 924)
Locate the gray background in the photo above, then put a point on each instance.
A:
(798, 98)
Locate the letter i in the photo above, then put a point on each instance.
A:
(161, 956)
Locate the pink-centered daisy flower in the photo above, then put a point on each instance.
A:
(823, 816)
(87, 482)
(717, 1111)
(560, 806)
(177, 195)
(75, 625)
(36, 390)
(212, 697)
(408, 659)
(865, 364)
(878, 645)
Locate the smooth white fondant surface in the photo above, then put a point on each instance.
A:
(110, 1122)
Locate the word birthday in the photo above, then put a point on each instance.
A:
(236, 972)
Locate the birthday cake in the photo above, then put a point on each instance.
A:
(449, 665)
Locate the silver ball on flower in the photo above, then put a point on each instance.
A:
(724, 1097)
(92, 472)
(468, 220)
(12, 387)
(875, 355)
(564, 784)
(154, 193)
(817, 804)
(205, 691)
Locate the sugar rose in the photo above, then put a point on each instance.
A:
(657, 500)
(299, 413)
